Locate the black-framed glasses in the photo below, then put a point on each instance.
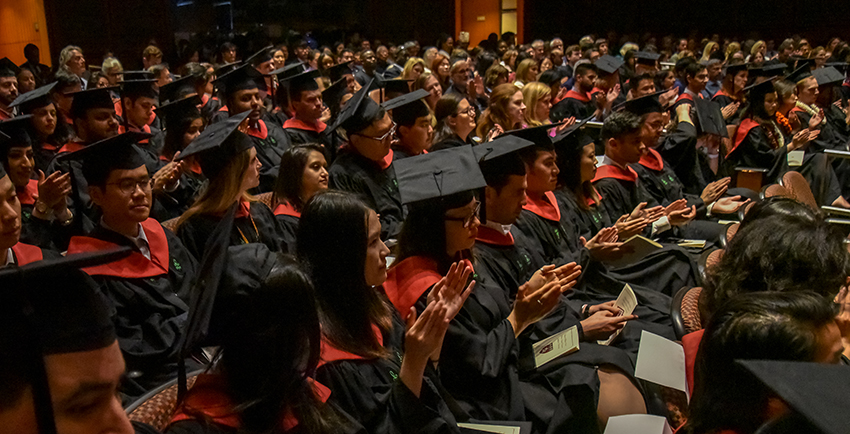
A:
(384, 137)
(469, 112)
(467, 221)
(129, 186)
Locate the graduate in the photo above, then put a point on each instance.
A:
(282, 109)
(146, 292)
(732, 90)
(12, 250)
(303, 174)
(8, 87)
(309, 113)
(138, 100)
(364, 165)
(580, 102)
(50, 133)
(230, 162)
(414, 129)
(378, 371)
(59, 352)
(241, 88)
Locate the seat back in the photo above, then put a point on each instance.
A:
(158, 406)
(774, 190)
(690, 310)
(267, 199)
(799, 188)
(171, 224)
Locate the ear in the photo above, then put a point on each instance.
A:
(612, 144)
(96, 193)
(490, 194)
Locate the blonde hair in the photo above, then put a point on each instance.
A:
(109, 63)
(497, 113)
(523, 68)
(223, 190)
(733, 48)
(408, 67)
(706, 53)
(151, 51)
(532, 93)
(756, 48)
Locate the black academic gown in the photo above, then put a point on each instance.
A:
(451, 142)
(288, 218)
(371, 392)
(300, 132)
(374, 183)
(79, 202)
(271, 142)
(724, 99)
(691, 166)
(574, 104)
(254, 223)
(148, 300)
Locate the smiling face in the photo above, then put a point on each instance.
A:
(10, 214)
(588, 162)
(20, 165)
(458, 237)
(376, 252)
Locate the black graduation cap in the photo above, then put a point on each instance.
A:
(769, 71)
(642, 105)
(438, 174)
(138, 88)
(407, 108)
(647, 58)
(817, 391)
(242, 78)
(225, 68)
(8, 65)
(735, 69)
(500, 146)
(608, 64)
(114, 153)
(338, 71)
(177, 89)
(289, 70)
(175, 112)
(801, 73)
(358, 112)
(710, 117)
(572, 139)
(538, 135)
(137, 75)
(828, 75)
(218, 144)
(799, 62)
(334, 93)
(759, 89)
(261, 56)
(17, 133)
(407, 98)
(396, 86)
(840, 66)
(304, 81)
(37, 98)
(90, 99)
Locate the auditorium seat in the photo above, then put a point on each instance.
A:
(158, 406)
(684, 311)
(267, 198)
(774, 190)
(799, 188)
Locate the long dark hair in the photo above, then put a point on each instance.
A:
(271, 349)
(173, 142)
(424, 231)
(287, 188)
(779, 254)
(568, 159)
(332, 241)
(759, 325)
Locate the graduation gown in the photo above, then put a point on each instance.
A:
(371, 392)
(79, 202)
(27, 254)
(43, 154)
(300, 132)
(399, 153)
(724, 99)
(577, 104)
(288, 217)
(254, 223)
(270, 142)
(375, 183)
(690, 165)
(147, 298)
(451, 142)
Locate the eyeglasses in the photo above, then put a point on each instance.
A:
(128, 186)
(469, 112)
(384, 137)
(467, 221)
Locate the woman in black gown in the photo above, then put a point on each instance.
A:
(303, 173)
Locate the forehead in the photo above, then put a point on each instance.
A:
(119, 174)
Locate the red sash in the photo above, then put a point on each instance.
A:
(489, 235)
(260, 133)
(286, 208)
(29, 194)
(579, 96)
(742, 131)
(652, 160)
(71, 147)
(547, 207)
(298, 124)
(26, 254)
(612, 171)
(134, 266)
(330, 353)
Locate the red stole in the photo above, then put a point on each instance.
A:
(690, 343)
(134, 266)
(652, 160)
(591, 201)
(71, 147)
(26, 254)
(547, 207)
(49, 147)
(742, 131)
(388, 159)
(298, 124)
(261, 133)
(330, 353)
(145, 129)
(4, 115)
(489, 235)
(408, 280)
(286, 208)
(244, 209)
(209, 397)
(583, 97)
(612, 171)
(29, 194)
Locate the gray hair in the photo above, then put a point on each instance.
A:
(66, 54)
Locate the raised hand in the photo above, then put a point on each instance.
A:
(669, 97)
(530, 306)
(627, 226)
(54, 189)
(816, 120)
(682, 217)
(730, 110)
(800, 140)
(423, 338)
(715, 190)
(494, 132)
(452, 289)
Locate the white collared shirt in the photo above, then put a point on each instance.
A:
(140, 241)
(503, 229)
(10, 257)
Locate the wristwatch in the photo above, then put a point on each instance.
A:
(41, 207)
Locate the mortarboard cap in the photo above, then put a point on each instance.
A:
(218, 144)
(138, 88)
(91, 99)
(290, 70)
(8, 65)
(242, 78)
(438, 174)
(572, 139)
(608, 64)
(817, 391)
(137, 75)
(17, 132)
(758, 90)
(177, 89)
(405, 99)
(801, 73)
(502, 145)
(225, 68)
(539, 136)
(407, 108)
(828, 75)
(396, 87)
(176, 112)
(334, 93)
(768, 71)
(735, 69)
(799, 62)
(647, 58)
(840, 66)
(358, 113)
(302, 82)
(114, 153)
(710, 117)
(261, 56)
(37, 98)
(338, 71)
(642, 105)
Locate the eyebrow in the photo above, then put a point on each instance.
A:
(87, 389)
